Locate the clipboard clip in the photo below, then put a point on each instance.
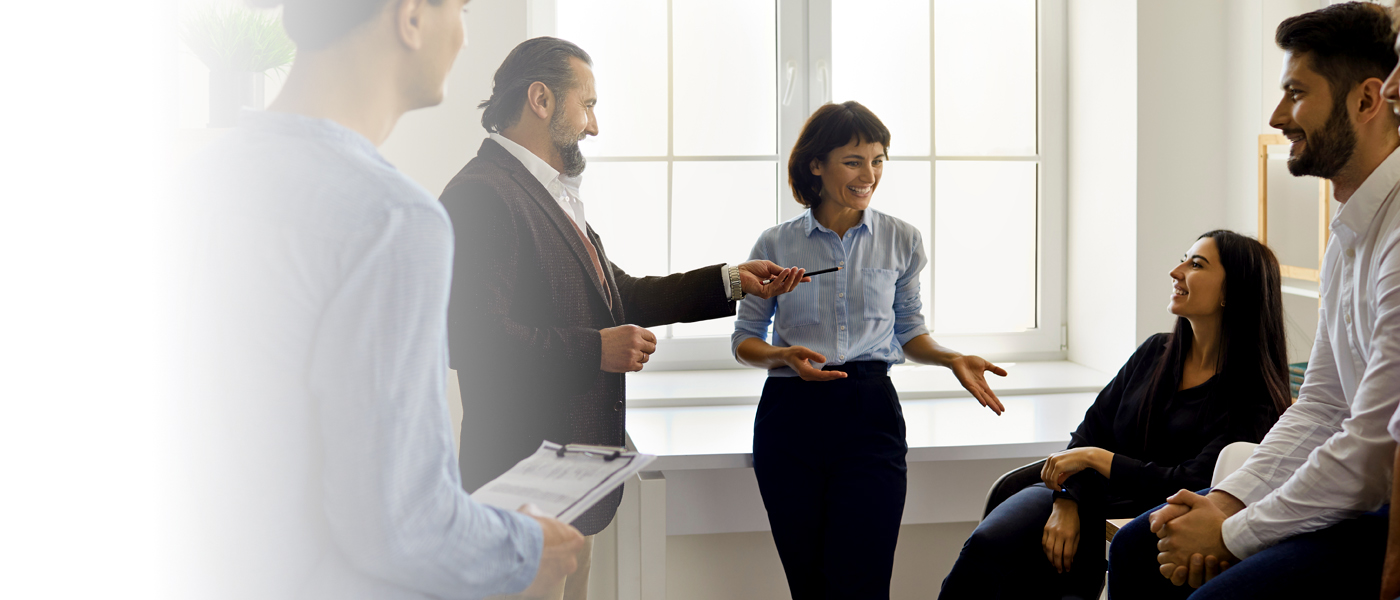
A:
(590, 451)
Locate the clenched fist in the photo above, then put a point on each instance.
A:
(626, 348)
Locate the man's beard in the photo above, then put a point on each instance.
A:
(1328, 150)
(566, 144)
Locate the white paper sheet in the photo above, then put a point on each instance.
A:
(562, 486)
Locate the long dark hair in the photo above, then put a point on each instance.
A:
(1252, 352)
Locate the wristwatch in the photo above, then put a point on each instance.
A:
(736, 286)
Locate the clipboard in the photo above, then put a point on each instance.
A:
(563, 481)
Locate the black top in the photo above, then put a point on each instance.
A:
(1187, 432)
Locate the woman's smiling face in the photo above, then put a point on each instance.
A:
(851, 173)
(1198, 283)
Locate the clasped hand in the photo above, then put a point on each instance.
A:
(1190, 546)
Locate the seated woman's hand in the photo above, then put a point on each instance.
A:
(1060, 540)
(799, 357)
(1061, 465)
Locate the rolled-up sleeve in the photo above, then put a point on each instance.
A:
(755, 314)
(393, 498)
(908, 305)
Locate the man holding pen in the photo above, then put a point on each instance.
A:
(542, 325)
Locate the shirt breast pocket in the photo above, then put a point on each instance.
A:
(878, 287)
(798, 308)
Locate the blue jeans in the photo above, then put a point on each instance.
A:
(1341, 561)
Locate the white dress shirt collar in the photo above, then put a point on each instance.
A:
(534, 164)
(1356, 215)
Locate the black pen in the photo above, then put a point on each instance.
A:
(767, 281)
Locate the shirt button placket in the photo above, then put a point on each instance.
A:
(842, 311)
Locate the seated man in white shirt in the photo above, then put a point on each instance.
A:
(1305, 517)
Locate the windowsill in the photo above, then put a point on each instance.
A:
(728, 387)
(703, 420)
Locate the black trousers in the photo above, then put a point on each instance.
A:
(1003, 558)
(829, 458)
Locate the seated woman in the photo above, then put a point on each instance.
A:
(1221, 376)
(828, 441)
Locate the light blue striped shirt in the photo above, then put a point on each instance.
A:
(322, 276)
(866, 311)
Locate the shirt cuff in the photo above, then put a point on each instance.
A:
(1238, 538)
(724, 280)
(532, 547)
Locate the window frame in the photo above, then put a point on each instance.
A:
(804, 46)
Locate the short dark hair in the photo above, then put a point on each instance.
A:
(542, 59)
(315, 24)
(1348, 43)
(830, 127)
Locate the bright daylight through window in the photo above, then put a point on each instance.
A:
(700, 101)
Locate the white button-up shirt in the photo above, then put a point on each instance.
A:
(1330, 456)
(564, 189)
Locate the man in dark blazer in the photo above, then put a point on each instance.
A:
(542, 326)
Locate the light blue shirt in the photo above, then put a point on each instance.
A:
(321, 277)
(866, 311)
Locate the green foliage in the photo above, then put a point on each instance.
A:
(237, 39)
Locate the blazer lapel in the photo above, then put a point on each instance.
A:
(618, 317)
(561, 221)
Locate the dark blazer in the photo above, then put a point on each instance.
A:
(524, 321)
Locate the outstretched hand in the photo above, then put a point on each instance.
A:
(752, 275)
(969, 370)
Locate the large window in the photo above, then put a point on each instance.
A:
(700, 101)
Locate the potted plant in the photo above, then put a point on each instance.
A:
(239, 46)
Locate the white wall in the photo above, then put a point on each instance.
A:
(431, 145)
(1166, 103)
(1182, 150)
(1102, 164)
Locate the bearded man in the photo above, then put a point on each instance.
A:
(1306, 515)
(542, 326)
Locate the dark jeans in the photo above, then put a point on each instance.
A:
(829, 458)
(1003, 556)
(1342, 561)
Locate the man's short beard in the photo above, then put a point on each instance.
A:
(1328, 150)
(566, 144)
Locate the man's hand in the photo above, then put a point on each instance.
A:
(1060, 540)
(1195, 532)
(968, 370)
(559, 557)
(752, 274)
(797, 357)
(1061, 465)
(626, 348)
(1202, 569)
